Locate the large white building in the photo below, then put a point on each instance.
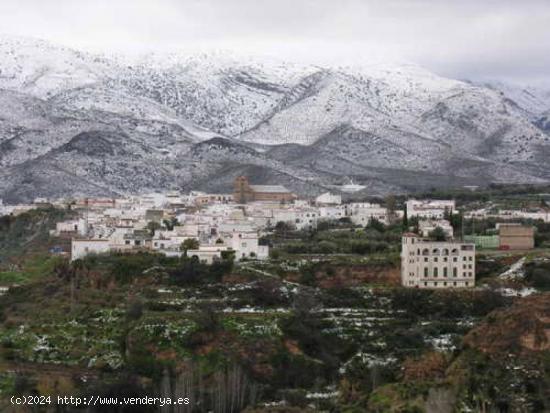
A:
(432, 209)
(247, 245)
(428, 264)
(331, 212)
(80, 248)
(77, 226)
(361, 213)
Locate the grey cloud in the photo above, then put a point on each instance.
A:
(480, 39)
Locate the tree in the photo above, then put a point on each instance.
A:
(413, 222)
(438, 234)
(376, 225)
(456, 221)
(66, 272)
(207, 317)
(189, 244)
(405, 220)
(72, 273)
(274, 254)
(447, 212)
(134, 311)
(170, 223)
(281, 228)
(390, 206)
(153, 226)
(190, 271)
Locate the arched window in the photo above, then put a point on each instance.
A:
(445, 251)
(426, 251)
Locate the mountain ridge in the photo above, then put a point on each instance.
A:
(179, 121)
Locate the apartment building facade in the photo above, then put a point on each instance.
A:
(430, 264)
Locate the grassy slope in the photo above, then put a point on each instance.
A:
(24, 243)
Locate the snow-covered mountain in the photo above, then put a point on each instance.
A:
(534, 100)
(75, 123)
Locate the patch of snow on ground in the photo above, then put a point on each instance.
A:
(443, 342)
(511, 292)
(515, 271)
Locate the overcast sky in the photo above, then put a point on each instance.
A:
(458, 38)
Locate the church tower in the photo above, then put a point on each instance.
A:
(241, 190)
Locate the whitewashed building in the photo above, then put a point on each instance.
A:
(332, 212)
(361, 213)
(208, 253)
(78, 226)
(246, 245)
(431, 209)
(306, 218)
(80, 248)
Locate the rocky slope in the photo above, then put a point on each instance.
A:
(508, 331)
(75, 123)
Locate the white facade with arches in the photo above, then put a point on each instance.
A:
(427, 264)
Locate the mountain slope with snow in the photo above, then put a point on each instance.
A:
(115, 124)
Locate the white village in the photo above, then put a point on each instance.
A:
(210, 227)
